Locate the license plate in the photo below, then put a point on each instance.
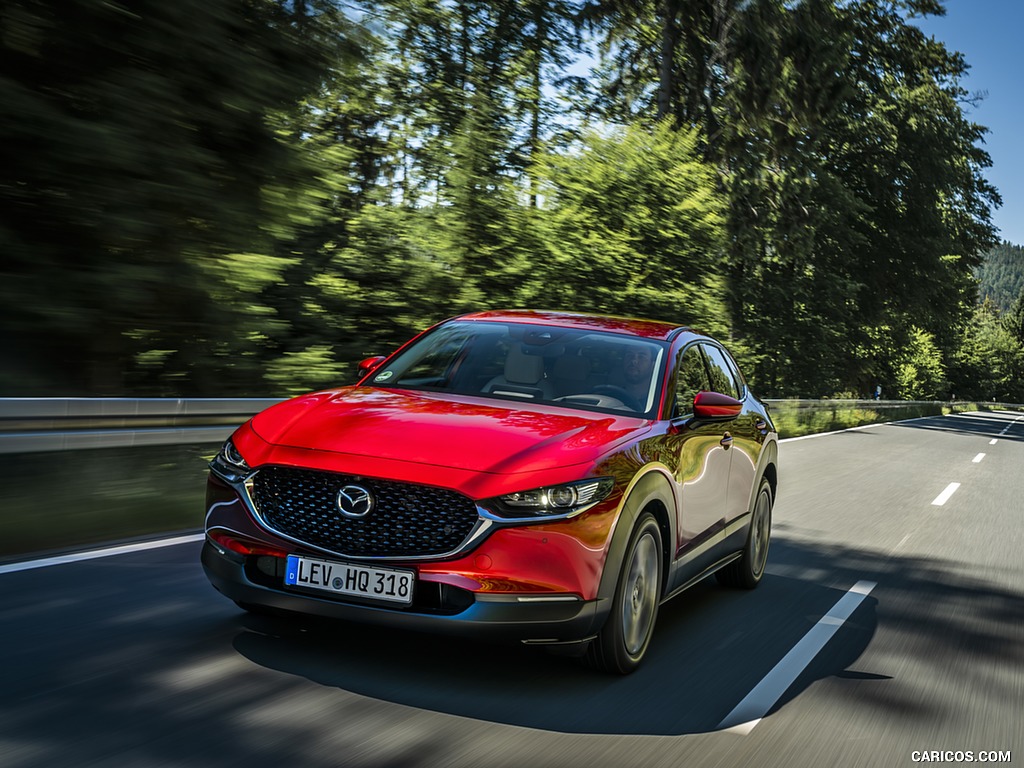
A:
(391, 584)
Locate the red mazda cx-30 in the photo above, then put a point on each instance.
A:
(544, 476)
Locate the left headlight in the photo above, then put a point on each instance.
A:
(229, 463)
(557, 501)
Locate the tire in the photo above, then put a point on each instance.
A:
(620, 646)
(746, 572)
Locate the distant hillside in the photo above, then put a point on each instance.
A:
(1002, 275)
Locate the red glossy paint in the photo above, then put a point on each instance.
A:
(370, 364)
(475, 485)
(529, 561)
(710, 405)
(448, 431)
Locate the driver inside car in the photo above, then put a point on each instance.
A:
(637, 366)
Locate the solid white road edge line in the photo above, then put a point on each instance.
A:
(45, 562)
(834, 432)
(884, 424)
(855, 429)
(749, 712)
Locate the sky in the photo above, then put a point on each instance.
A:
(988, 33)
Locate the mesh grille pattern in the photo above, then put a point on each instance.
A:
(407, 520)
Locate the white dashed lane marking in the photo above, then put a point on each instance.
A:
(1011, 425)
(943, 497)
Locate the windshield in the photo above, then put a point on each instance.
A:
(511, 361)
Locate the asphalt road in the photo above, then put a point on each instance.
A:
(134, 660)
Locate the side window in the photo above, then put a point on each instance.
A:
(691, 378)
(722, 378)
(736, 375)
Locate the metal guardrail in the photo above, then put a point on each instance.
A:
(32, 425)
(883, 405)
(875, 404)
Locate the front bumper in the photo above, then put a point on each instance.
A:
(542, 619)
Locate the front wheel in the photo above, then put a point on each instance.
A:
(746, 572)
(623, 641)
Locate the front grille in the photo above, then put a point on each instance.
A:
(407, 520)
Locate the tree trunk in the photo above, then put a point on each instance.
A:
(666, 61)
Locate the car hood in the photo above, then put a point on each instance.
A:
(461, 432)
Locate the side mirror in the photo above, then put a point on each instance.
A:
(715, 405)
(370, 364)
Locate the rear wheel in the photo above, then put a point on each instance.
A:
(623, 641)
(746, 572)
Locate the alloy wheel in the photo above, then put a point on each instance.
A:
(640, 595)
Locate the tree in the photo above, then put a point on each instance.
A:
(144, 154)
(664, 59)
(920, 373)
(1014, 319)
(1001, 274)
(989, 365)
(855, 183)
(633, 225)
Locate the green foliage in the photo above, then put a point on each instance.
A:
(633, 225)
(309, 369)
(848, 233)
(1014, 320)
(146, 146)
(794, 418)
(1001, 275)
(920, 373)
(990, 363)
(386, 284)
(794, 422)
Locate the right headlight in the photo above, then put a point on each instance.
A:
(556, 501)
(229, 463)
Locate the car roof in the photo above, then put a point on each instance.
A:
(651, 329)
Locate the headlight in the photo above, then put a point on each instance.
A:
(229, 463)
(554, 501)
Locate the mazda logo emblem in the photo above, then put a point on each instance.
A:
(355, 501)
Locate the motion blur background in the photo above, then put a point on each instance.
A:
(245, 197)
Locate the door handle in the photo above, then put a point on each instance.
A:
(726, 440)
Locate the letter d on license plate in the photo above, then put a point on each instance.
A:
(391, 584)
